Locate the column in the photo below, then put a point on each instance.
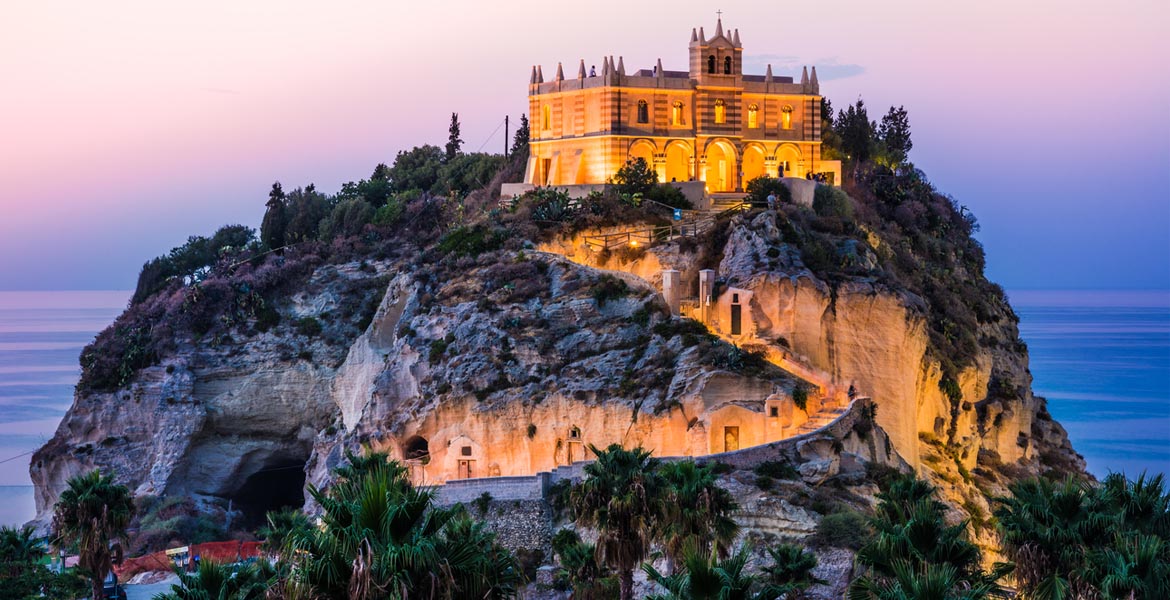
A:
(706, 287)
(671, 290)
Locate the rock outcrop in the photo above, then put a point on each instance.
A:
(512, 362)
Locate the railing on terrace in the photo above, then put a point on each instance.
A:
(648, 236)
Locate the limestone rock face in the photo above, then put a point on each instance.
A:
(513, 363)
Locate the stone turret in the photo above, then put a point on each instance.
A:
(560, 73)
(813, 83)
(581, 69)
(539, 74)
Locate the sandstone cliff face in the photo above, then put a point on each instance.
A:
(505, 365)
(861, 332)
(513, 362)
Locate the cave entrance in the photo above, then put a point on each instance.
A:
(276, 486)
(417, 448)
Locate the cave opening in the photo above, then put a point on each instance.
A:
(417, 448)
(276, 486)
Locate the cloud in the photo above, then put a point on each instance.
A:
(784, 65)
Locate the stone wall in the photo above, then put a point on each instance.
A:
(531, 487)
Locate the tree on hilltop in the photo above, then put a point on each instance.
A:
(272, 228)
(894, 132)
(454, 142)
(856, 132)
(520, 139)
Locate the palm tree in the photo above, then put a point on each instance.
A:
(215, 581)
(622, 499)
(280, 527)
(791, 570)
(20, 545)
(91, 513)
(703, 577)
(923, 582)
(913, 544)
(1073, 539)
(589, 579)
(1045, 526)
(697, 510)
(380, 537)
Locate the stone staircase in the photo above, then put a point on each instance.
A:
(821, 418)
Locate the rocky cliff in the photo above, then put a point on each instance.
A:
(507, 357)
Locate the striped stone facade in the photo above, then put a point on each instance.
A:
(711, 123)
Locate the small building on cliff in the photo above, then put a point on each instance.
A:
(711, 123)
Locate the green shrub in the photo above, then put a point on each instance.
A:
(346, 219)
(764, 482)
(635, 177)
(470, 241)
(550, 204)
(388, 214)
(777, 469)
(800, 396)
(309, 327)
(830, 201)
(482, 502)
(845, 529)
(609, 288)
(759, 188)
(667, 194)
(438, 349)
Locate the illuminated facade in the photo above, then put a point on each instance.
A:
(711, 123)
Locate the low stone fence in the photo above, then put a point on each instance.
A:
(789, 449)
(515, 487)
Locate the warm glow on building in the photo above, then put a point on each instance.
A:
(711, 123)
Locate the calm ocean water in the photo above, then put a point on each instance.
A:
(1101, 359)
(41, 336)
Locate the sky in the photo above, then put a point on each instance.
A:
(126, 126)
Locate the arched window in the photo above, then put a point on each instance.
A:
(753, 118)
(727, 65)
(711, 64)
(643, 112)
(786, 117)
(676, 113)
(720, 111)
(546, 117)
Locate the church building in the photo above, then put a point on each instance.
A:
(710, 123)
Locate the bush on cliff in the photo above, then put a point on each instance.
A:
(761, 187)
(192, 260)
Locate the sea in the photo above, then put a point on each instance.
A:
(1101, 358)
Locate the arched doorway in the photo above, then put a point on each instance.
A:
(644, 150)
(788, 161)
(721, 167)
(678, 162)
(753, 163)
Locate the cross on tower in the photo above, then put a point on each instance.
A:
(719, 13)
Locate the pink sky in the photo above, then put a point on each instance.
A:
(126, 126)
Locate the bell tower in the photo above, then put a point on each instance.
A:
(716, 61)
